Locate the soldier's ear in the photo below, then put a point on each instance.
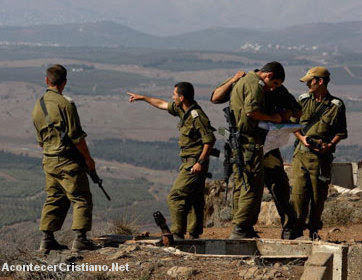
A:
(270, 75)
(63, 84)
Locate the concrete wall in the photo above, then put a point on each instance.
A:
(342, 175)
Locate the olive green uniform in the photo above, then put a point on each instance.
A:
(66, 180)
(276, 180)
(247, 96)
(186, 198)
(311, 170)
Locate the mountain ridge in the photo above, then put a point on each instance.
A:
(346, 35)
(168, 17)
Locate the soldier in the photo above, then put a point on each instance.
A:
(324, 117)
(60, 134)
(186, 198)
(275, 178)
(247, 101)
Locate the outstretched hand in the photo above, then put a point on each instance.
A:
(134, 97)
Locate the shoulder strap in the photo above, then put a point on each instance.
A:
(337, 102)
(188, 112)
(48, 120)
(315, 118)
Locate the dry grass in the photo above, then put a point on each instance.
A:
(126, 224)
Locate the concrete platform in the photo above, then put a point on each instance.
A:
(322, 260)
(275, 250)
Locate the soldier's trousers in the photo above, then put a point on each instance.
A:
(311, 177)
(277, 182)
(186, 200)
(248, 193)
(66, 183)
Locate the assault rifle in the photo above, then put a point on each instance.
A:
(78, 157)
(94, 176)
(232, 148)
(228, 166)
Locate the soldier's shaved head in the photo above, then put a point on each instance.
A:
(56, 74)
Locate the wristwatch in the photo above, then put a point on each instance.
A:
(202, 161)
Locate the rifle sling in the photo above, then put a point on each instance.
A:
(314, 119)
(48, 120)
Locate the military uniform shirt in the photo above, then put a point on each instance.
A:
(333, 121)
(195, 129)
(247, 96)
(63, 113)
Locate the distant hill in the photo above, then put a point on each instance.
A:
(344, 34)
(331, 36)
(89, 34)
(170, 17)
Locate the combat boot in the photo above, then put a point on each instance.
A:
(81, 242)
(49, 243)
(294, 234)
(240, 232)
(314, 236)
(287, 233)
(194, 236)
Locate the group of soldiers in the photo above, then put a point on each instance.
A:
(253, 97)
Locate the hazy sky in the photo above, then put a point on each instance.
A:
(166, 17)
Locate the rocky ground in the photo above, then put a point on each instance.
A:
(145, 260)
(343, 225)
(151, 262)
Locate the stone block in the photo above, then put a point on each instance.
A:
(314, 273)
(322, 260)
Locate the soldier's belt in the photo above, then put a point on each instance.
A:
(67, 154)
(188, 159)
